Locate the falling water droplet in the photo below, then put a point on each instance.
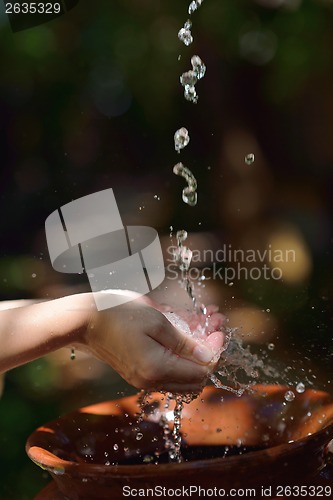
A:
(181, 138)
(300, 387)
(189, 192)
(188, 24)
(189, 78)
(181, 236)
(271, 346)
(190, 197)
(249, 159)
(185, 35)
(289, 396)
(115, 447)
(198, 66)
(190, 94)
(139, 436)
(73, 355)
(34, 275)
(185, 258)
(194, 5)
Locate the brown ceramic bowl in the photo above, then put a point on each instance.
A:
(269, 442)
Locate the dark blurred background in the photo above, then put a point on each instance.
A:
(92, 99)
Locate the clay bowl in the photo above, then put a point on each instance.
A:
(253, 441)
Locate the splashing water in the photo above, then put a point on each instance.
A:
(198, 66)
(173, 439)
(190, 196)
(183, 256)
(249, 159)
(300, 387)
(181, 139)
(289, 396)
(235, 362)
(239, 367)
(177, 420)
(164, 423)
(190, 78)
(194, 6)
(234, 358)
(185, 34)
(190, 94)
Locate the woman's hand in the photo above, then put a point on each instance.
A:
(139, 342)
(136, 339)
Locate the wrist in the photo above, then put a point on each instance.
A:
(79, 311)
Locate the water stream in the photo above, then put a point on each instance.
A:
(237, 369)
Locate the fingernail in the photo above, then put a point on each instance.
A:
(202, 354)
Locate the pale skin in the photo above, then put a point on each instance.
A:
(135, 338)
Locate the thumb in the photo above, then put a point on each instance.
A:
(209, 349)
(190, 348)
(216, 342)
(179, 340)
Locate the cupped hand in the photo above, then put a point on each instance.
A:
(149, 352)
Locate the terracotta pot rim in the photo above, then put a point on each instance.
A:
(55, 465)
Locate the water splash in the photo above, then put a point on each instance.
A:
(238, 367)
(181, 139)
(185, 35)
(183, 256)
(190, 78)
(164, 423)
(142, 404)
(249, 159)
(289, 396)
(181, 236)
(300, 387)
(172, 438)
(176, 455)
(189, 192)
(233, 357)
(194, 5)
(199, 67)
(190, 94)
(219, 385)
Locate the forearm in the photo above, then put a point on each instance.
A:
(13, 304)
(29, 332)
